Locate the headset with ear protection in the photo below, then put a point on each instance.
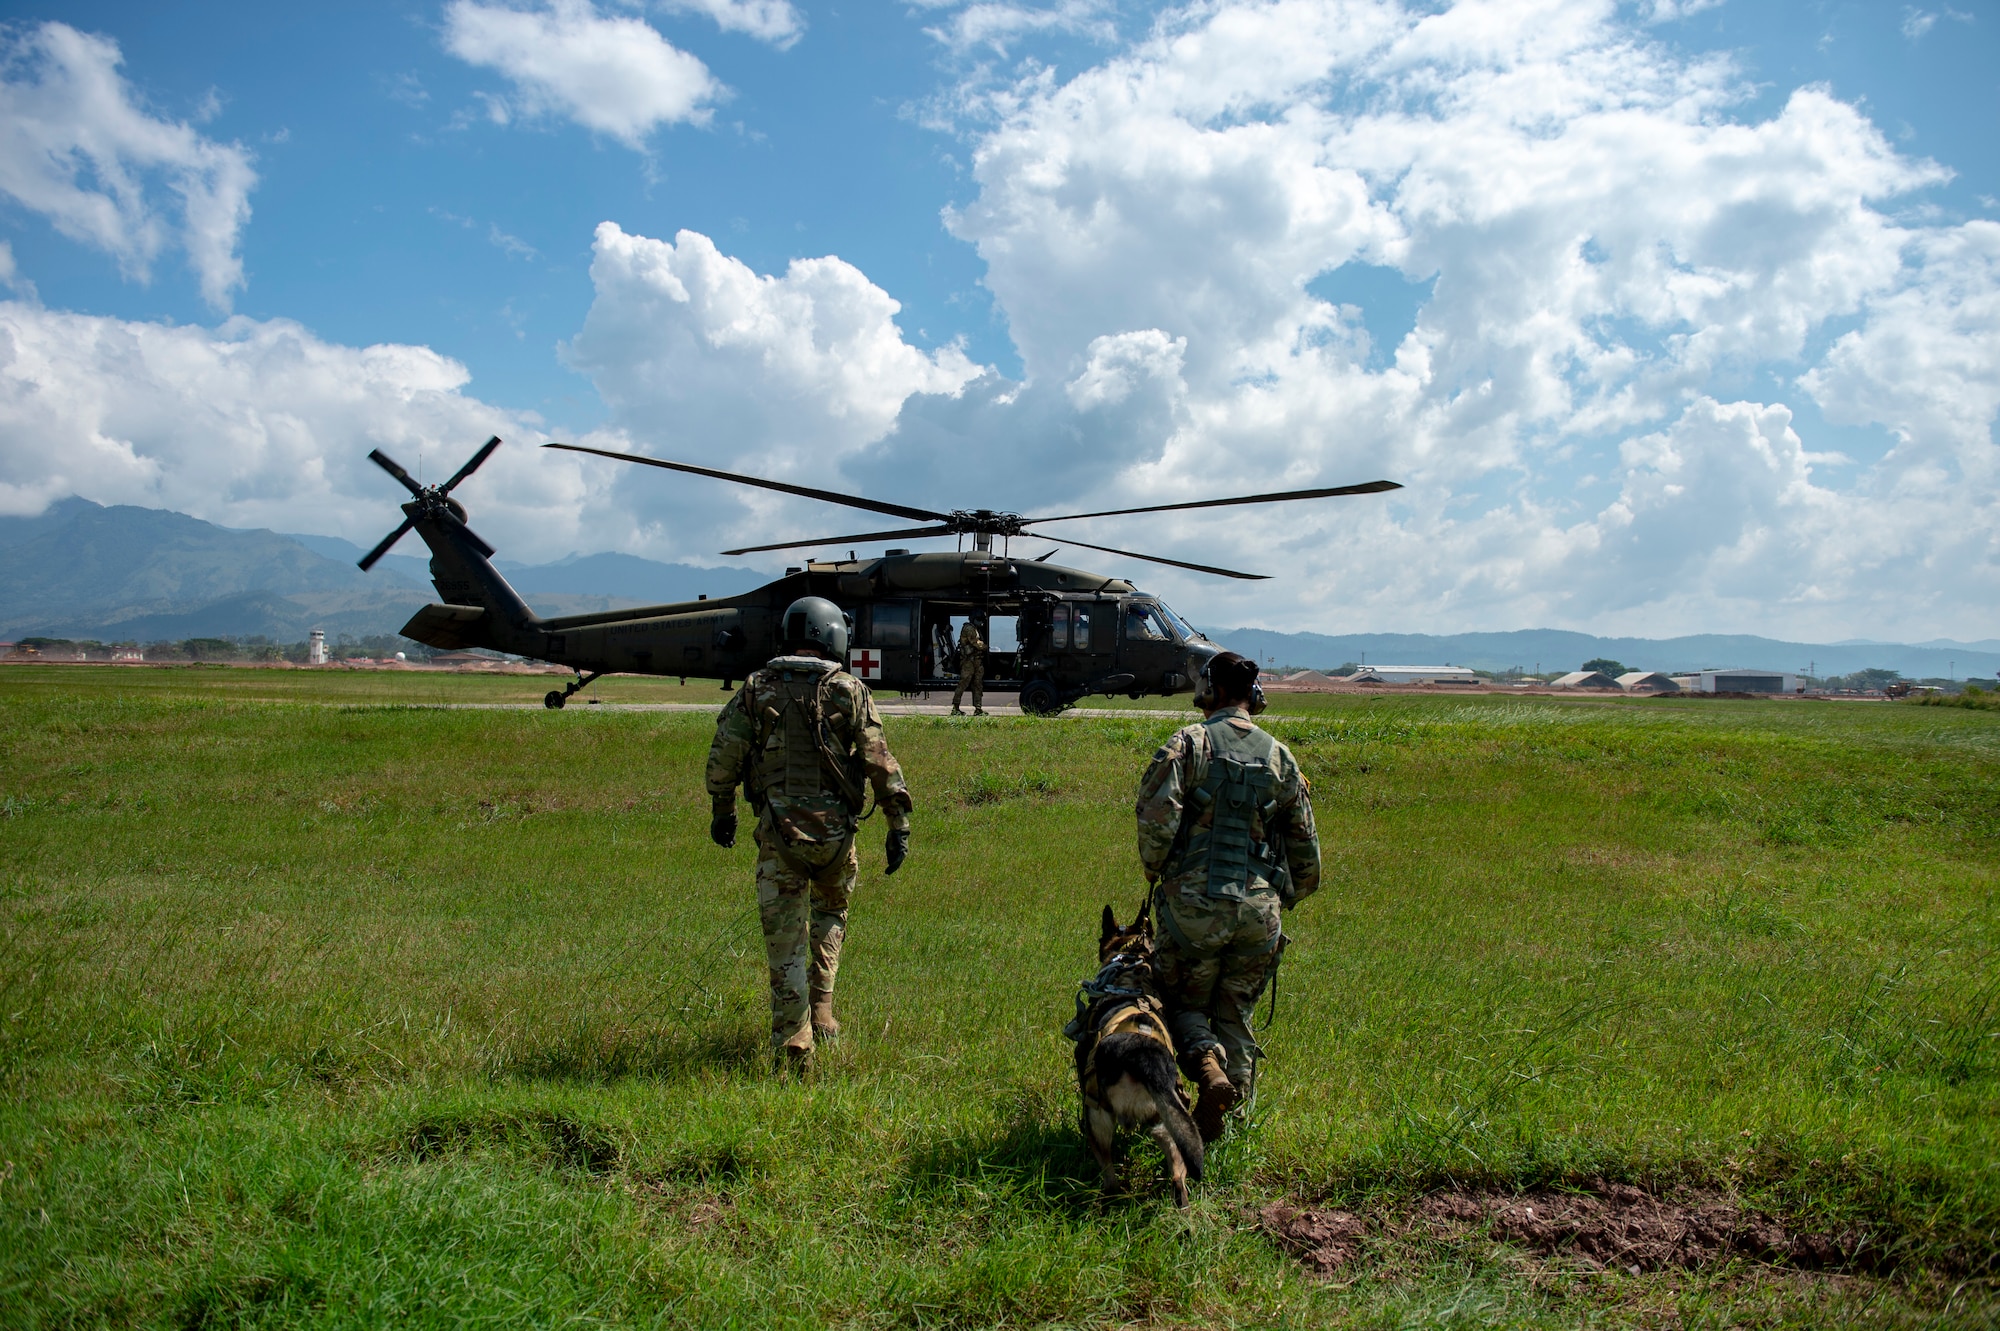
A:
(1205, 696)
(1204, 689)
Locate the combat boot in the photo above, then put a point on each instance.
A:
(1218, 1095)
(796, 1060)
(825, 1028)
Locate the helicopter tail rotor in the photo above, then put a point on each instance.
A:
(368, 560)
(431, 501)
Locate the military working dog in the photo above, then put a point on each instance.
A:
(1125, 1065)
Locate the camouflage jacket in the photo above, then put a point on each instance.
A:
(1179, 768)
(793, 768)
(969, 640)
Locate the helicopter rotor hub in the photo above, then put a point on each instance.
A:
(986, 522)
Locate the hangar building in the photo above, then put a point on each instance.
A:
(1747, 681)
(1586, 679)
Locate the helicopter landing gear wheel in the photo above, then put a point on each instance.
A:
(554, 700)
(1039, 698)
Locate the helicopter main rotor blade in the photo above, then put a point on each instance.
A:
(390, 465)
(1365, 488)
(472, 466)
(368, 560)
(1160, 559)
(804, 491)
(835, 540)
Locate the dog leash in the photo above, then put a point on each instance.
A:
(1277, 969)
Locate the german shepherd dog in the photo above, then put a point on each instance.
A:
(1125, 1059)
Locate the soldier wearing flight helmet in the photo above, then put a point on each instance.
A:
(1226, 837)
(803, 738)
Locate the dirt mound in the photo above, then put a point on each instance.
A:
(1323, 1240)
(1615, 1225)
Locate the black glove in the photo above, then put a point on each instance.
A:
(898, 848)
(722, 823)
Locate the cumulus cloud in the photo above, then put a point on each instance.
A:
(1119, 364)
(773, 21)
(10, 277)
(996, 24)
(1640, 302)
(613, 75)
(1616, 252)
(77, 147)
(690, 346)
(262, 424)
(1927, 361)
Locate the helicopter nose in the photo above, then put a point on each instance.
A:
(1199, 654)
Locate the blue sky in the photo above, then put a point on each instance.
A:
(1727, 363)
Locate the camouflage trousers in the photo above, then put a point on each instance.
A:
(1213, 958)
(804, 912)
(972, 676)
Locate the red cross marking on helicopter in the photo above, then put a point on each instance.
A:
(866, 664)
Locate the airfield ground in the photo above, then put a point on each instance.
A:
(323, 1001)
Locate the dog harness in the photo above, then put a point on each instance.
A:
(1139, 1016)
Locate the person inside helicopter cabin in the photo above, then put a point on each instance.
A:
(1226, 837)
(971, 669)
(802, 736)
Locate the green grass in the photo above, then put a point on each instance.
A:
(370, 1010)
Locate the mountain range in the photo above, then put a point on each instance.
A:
(1557, 649)
(117, 574)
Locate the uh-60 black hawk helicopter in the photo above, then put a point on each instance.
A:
(1077, 633)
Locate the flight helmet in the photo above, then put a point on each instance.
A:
(814, 621)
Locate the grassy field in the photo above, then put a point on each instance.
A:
(323, 1002)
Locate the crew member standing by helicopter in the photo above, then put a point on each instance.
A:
(1226, 837)
(803, 738)
(971, 669)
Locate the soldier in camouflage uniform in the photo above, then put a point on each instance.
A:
(1226, 836)
(971, 669)
(803, 738)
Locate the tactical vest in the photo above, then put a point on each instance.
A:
(1241, 785)
(803, 777)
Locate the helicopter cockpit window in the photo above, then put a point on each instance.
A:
(891, 624)
(1059, 627)
(1143, 623)
(1179, 626)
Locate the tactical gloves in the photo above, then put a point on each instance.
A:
(722, 821)
(898, 848)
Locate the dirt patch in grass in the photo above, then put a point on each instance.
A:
(1614, 1226)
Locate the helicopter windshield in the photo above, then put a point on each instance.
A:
(1180, 627)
